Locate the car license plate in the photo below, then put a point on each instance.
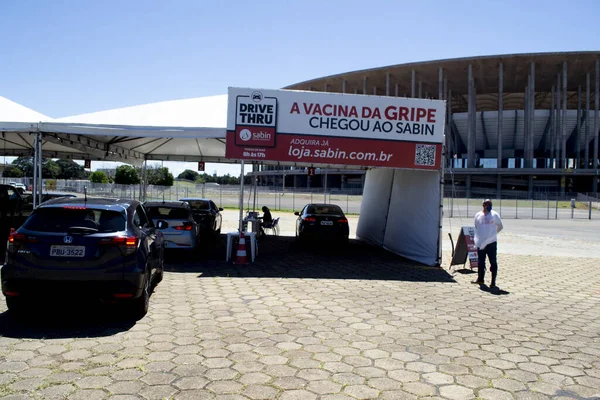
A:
(326, 222)
(67, 251)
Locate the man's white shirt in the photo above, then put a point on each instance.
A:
(487, 227)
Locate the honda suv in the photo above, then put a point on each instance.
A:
(76, 247)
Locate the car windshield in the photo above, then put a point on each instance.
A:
(54, 219)
(199, 205)
(325, 209)
(168, 213)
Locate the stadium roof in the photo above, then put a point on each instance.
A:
(516, 69)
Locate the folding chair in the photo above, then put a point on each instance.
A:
(273, 227)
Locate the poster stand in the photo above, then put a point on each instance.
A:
(465, 247)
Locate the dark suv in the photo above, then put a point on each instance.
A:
(77, 247)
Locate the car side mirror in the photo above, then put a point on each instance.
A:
(296, 213)
(220, 208)
(162, 224)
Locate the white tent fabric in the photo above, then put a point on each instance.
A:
(11, 111)
(205, 112)
(400, 212)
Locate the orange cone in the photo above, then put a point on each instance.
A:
(241, 257)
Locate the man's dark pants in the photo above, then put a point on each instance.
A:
(491, 251)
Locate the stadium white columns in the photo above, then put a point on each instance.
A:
(365, 85)
(500, 116)
(440, 83)
(344, 83)
(420, 89)
(531, 138)
(387, 83)
(595, 179)
(412, 84)
(564, 117)
(586, 157)
(471, 122)
(396, 90)
(578, 127)
(558, 124)
(526, 124)
(552, 130)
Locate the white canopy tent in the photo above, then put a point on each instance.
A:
(194, 130)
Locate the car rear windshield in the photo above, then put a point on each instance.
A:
(54, 219)
(168, 213)
(198, 205)
(325, 210)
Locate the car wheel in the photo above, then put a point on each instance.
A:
(141, 304)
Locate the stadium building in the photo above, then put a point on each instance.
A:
(520, 123)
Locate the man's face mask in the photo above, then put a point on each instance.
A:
(488, 207)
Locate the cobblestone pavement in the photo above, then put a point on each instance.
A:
(355, 323)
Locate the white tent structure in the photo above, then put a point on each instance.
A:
(400, 210)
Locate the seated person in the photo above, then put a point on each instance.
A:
(267, 219)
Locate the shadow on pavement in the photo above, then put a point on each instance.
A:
(56, 320)
(495, 292)
(283, 257)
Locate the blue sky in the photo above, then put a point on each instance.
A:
(68, 57)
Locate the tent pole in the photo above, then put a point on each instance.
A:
(440, 235)
(241, 228)
(39, 166)
(35, 182)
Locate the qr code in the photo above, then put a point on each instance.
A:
(425, 155)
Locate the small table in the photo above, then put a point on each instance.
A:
(250, 238)
(255, 224)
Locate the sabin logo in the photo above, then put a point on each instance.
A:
(245, 135)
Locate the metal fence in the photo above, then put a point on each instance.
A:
(517, 205)
(511, 205)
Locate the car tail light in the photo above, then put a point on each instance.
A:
(187, 226)
(123, 295)
(129, 243)
(75, 208)
(343, 221)
(310, 219)
(21, 238)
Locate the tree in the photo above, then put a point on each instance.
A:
(98, 177)
(160, 176)
(189, 175)
(12, 172)
(126, 175)
(25, 164)
(69, 169)
(50, 169)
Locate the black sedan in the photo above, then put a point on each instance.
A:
(207, 215)
(322, 222)
(106, 248)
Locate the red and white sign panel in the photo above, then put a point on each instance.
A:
(328, 128)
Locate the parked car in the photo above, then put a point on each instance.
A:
(183, 230)
(206, 214)
(106, 248)
(19, 186)
(322, 222)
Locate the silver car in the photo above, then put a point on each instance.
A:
(183, 231)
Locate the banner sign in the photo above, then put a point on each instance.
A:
(465, 248)
(333, 128)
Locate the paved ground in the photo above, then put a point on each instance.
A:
(357, 323)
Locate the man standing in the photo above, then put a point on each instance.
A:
(487, 225)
